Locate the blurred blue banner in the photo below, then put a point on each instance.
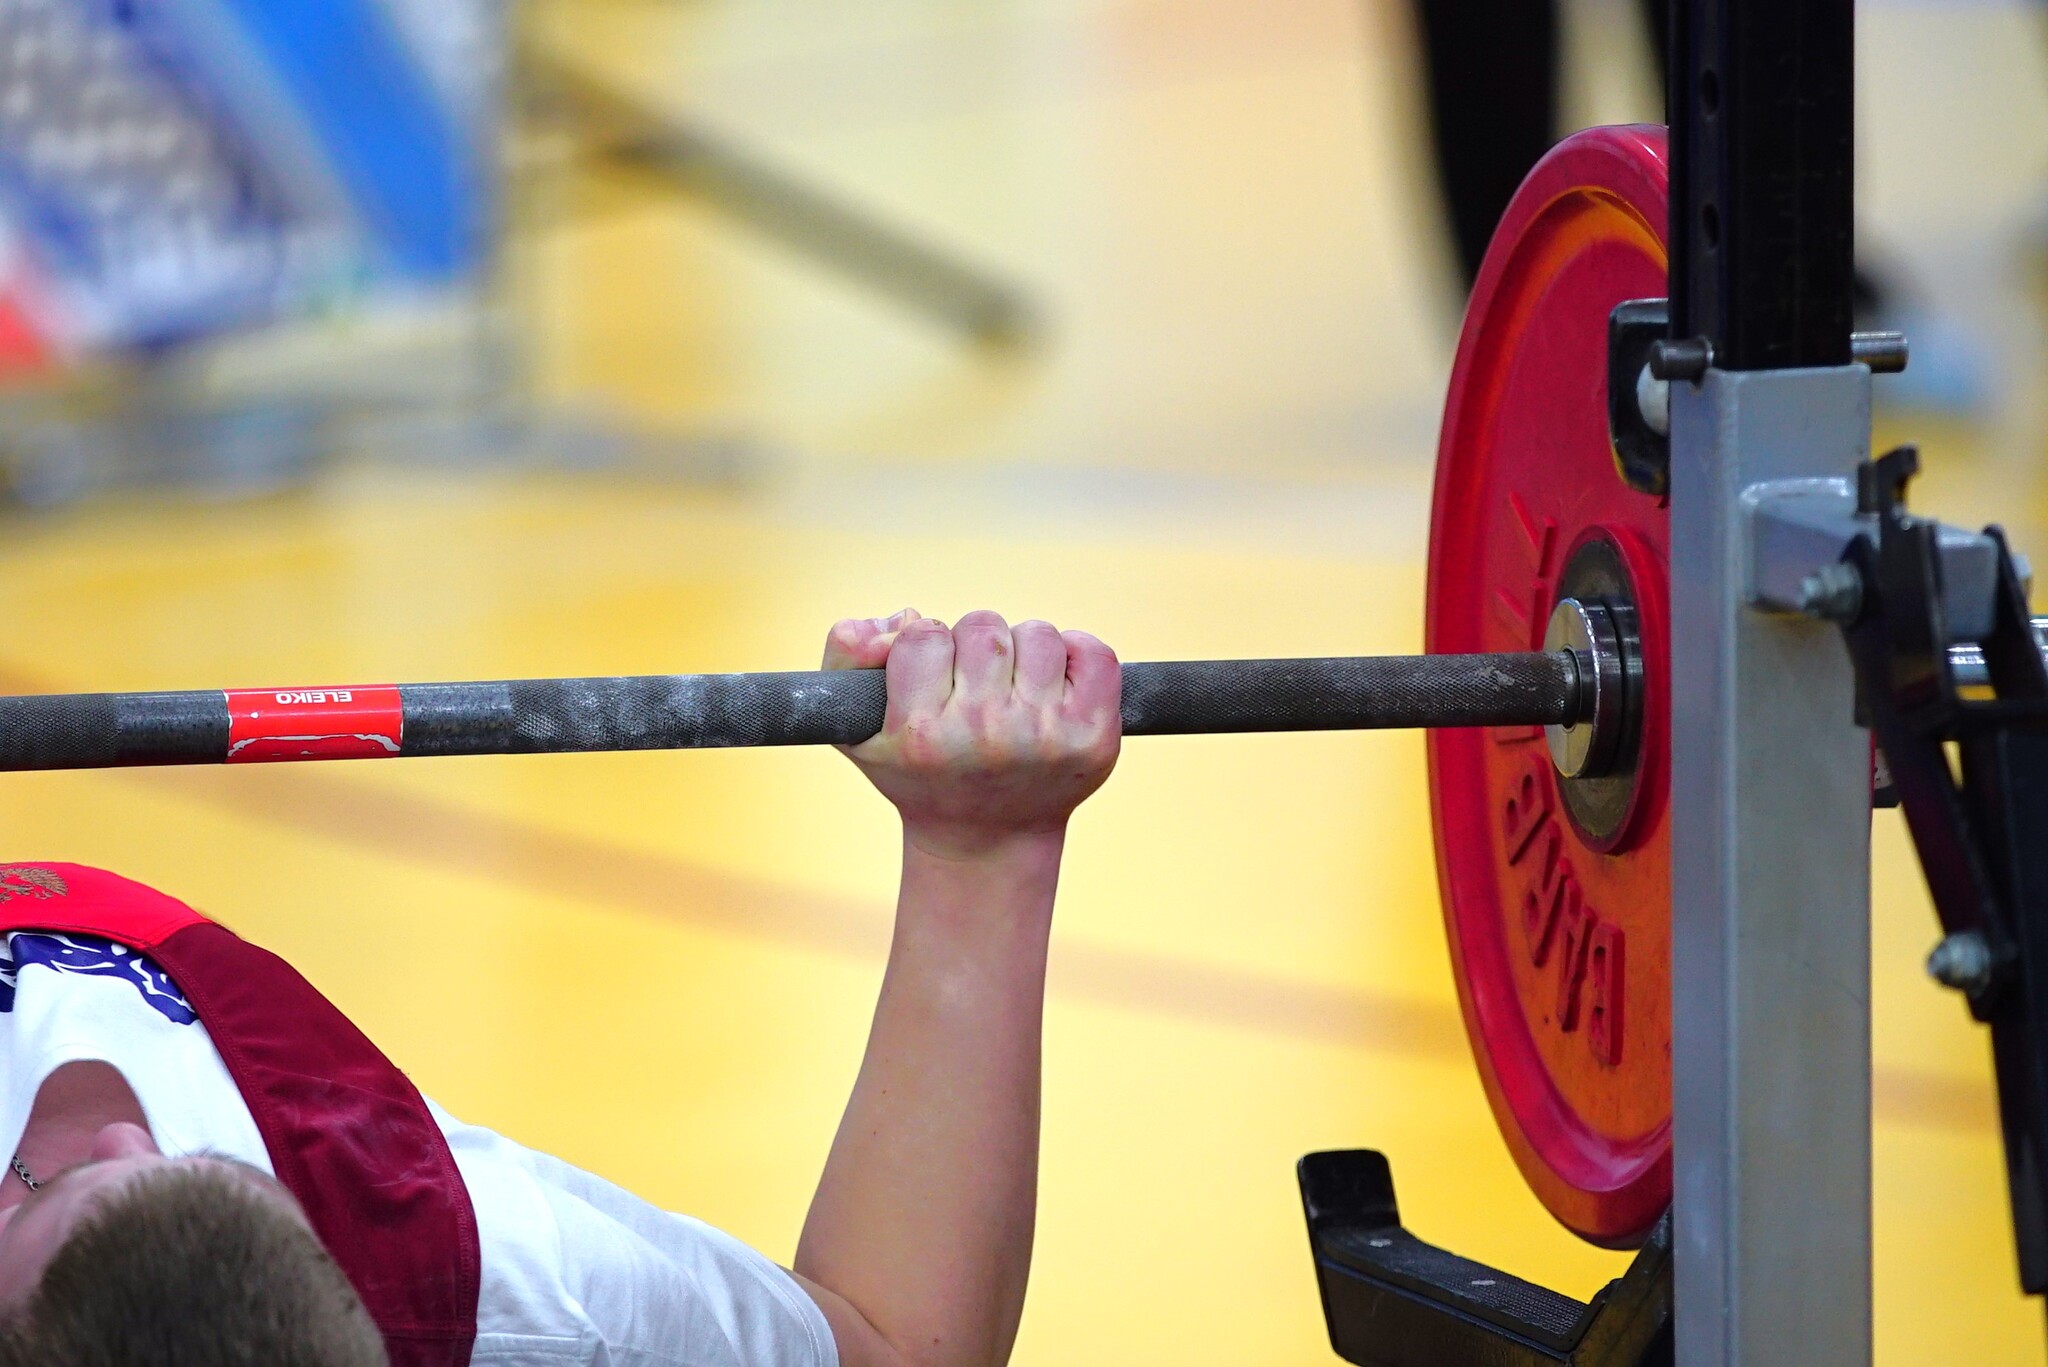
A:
(173, 168)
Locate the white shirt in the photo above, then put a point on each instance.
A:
(575, 1270)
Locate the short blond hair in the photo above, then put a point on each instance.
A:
(189, 1267)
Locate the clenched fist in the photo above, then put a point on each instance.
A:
(993, 732)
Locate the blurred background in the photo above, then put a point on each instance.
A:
(416, 339)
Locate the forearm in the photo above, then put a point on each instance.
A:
(923, 1218)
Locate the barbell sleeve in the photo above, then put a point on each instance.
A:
(689, 711)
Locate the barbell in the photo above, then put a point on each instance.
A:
(1580, 693)
(692, 711)
(1543, 691)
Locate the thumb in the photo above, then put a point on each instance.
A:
(864, 642)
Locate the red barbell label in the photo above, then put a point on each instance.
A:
(266, 725)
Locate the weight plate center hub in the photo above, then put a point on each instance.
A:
(1554, 850)
(1595, 619)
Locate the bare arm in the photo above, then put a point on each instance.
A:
(918, 1243)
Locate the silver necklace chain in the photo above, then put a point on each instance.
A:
(21, 1171)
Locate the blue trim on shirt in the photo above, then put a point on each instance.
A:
(89, 956)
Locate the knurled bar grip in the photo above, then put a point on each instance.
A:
(686, 711)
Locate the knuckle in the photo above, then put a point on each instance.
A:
(919, 745)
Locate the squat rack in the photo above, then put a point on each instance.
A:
(1788, 544)
(1770, 774)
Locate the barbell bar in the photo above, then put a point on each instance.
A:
(693, 711)
(823, 707)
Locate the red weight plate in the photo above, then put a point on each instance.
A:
(1562, 950)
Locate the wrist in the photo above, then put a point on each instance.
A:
(986, 882)
(997, 852)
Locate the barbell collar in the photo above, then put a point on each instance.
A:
(692, 711)
(1587, 631)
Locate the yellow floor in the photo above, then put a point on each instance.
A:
(660, 966)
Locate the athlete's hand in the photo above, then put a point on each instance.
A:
(993, 732)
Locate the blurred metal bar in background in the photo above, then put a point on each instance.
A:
(615, 127)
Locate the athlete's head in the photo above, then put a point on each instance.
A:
(133, 1259)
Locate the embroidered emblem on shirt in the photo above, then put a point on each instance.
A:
(91, 957)
(25, 880)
